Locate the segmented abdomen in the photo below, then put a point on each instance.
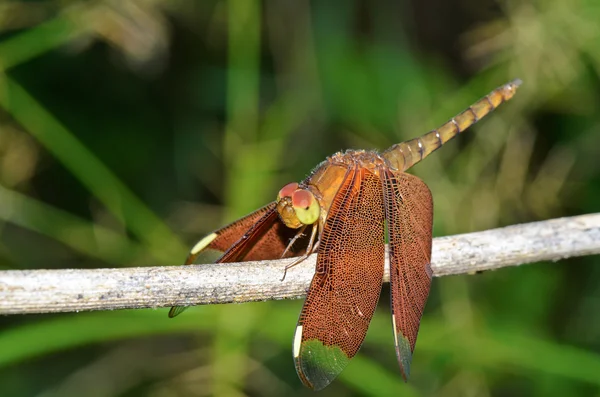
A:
(404, 155)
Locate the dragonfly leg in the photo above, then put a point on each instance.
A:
(309, 250)
(293, 240)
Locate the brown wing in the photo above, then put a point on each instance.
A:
(267, 238)
(346, 286)
(409, 213)
(211, 247)
(259, 235)
(264, 237)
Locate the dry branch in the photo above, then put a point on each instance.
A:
(42, 291)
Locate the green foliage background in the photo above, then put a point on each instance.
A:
(130, 129)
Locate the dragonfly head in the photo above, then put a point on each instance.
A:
(296, 206)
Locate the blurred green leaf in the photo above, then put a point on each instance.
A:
(79, 234)
(92, 173)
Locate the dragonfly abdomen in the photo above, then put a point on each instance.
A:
(404, 155)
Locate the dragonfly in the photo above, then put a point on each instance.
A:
(344, 211)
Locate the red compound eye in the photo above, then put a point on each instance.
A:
(302, 199)
(287, 190)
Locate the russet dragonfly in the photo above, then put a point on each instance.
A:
(340, 212)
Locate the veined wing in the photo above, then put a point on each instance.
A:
(347, 283)
(257, 236)
(409, 213)
(212, 247)
(267, 238)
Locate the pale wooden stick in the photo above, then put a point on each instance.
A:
(43, 291)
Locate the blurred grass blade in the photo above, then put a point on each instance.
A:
(497, 348)
(371, 379)
(537, 354)
(76, 233)
(91, 172)
(34, 42)
(69, 331)
(232, 329)
(74, 330)
(243, 90)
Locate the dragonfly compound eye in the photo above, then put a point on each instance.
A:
(306, 206)
(287, 190)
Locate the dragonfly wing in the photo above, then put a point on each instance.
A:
(267, 238)
(257, 236)
(409, 213)
(346, 286)
(211, 247)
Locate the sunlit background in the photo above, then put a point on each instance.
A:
(129, 129)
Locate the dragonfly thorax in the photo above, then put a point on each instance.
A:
(296, 206)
